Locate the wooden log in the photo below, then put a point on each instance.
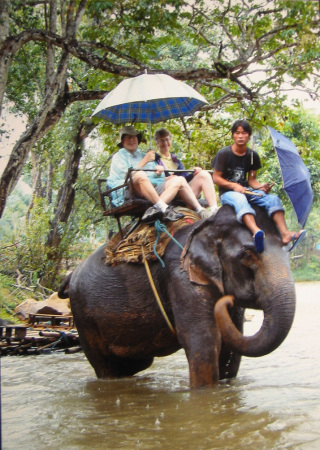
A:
(17, 351)
(55, 334)
(48, 345)
(71, 350)
(12, 349)
(30, 344)
(32, 351)
(28, 339)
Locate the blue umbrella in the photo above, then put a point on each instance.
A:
(295, 175)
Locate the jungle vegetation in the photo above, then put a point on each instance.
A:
(59, 58)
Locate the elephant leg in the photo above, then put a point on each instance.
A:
(113, 366)
(229, 361)
(105, 363)
(116, 367)
(202, 351)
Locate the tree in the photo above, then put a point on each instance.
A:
(58, 57)
(231, 42)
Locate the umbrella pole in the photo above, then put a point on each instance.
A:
(150, 138)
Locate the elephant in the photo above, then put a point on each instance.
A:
(204, 290)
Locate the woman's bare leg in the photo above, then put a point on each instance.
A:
(202, 182)
(177, 185)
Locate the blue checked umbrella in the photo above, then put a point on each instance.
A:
(295, 175)
(149, 99)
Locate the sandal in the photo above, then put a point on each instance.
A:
(259, 241)
(296, 239)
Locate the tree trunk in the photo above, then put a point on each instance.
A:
(64, 204)
(6, 60)
(20, 152)
(51, 48)
(4, 20)
(49, 183)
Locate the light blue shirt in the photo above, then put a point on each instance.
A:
(120, 163)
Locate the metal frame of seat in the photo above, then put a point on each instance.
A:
(134, 207)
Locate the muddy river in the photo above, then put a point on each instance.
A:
(56, 402)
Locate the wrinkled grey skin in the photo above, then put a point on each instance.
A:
(122, 329)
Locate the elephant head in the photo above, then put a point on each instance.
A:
(223, 254)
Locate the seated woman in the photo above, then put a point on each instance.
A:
(199, 181)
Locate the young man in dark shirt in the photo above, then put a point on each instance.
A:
(235, 170)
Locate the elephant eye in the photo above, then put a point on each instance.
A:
(250, 258)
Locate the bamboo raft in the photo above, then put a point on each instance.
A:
(43, 334)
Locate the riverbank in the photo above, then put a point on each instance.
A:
(23, 341)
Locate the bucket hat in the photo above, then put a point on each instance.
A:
(131, 132)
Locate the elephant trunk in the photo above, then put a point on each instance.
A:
(278, 318)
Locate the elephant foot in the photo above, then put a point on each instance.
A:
(115, 367)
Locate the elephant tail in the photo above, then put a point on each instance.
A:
(63, 291)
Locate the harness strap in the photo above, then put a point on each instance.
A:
(155, 291)
(160, 227)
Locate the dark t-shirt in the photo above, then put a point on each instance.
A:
(235, 168)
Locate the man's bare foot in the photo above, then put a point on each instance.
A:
(291, 235)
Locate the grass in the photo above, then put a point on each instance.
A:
(306, 269)
(306, 274)
(9, 299)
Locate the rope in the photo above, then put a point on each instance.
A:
(160, 227)
(155, 291)
(63, 337)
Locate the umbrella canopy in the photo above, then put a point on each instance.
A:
(295, 175)
(149, 98)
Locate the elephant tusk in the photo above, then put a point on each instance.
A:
(227, 329)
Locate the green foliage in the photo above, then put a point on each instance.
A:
(131, 25)
(10, 297)
(12, 220)
(306, 271)
(26, 87)
(250, 47)
(31, 253)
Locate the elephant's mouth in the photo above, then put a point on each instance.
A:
(244, 293)
(278, 318)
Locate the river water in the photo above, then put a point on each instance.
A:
(55, 401)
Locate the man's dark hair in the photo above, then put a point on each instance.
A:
(241, 123)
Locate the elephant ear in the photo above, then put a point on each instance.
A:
(200, 256)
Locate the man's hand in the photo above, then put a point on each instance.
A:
(238, 188)
(150, 156)
(266, 187)
(159, 170)
(196, 170)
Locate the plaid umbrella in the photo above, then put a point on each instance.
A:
(295, 175)
(149, 99)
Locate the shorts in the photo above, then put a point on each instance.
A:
(241, 202)
(159, 188)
